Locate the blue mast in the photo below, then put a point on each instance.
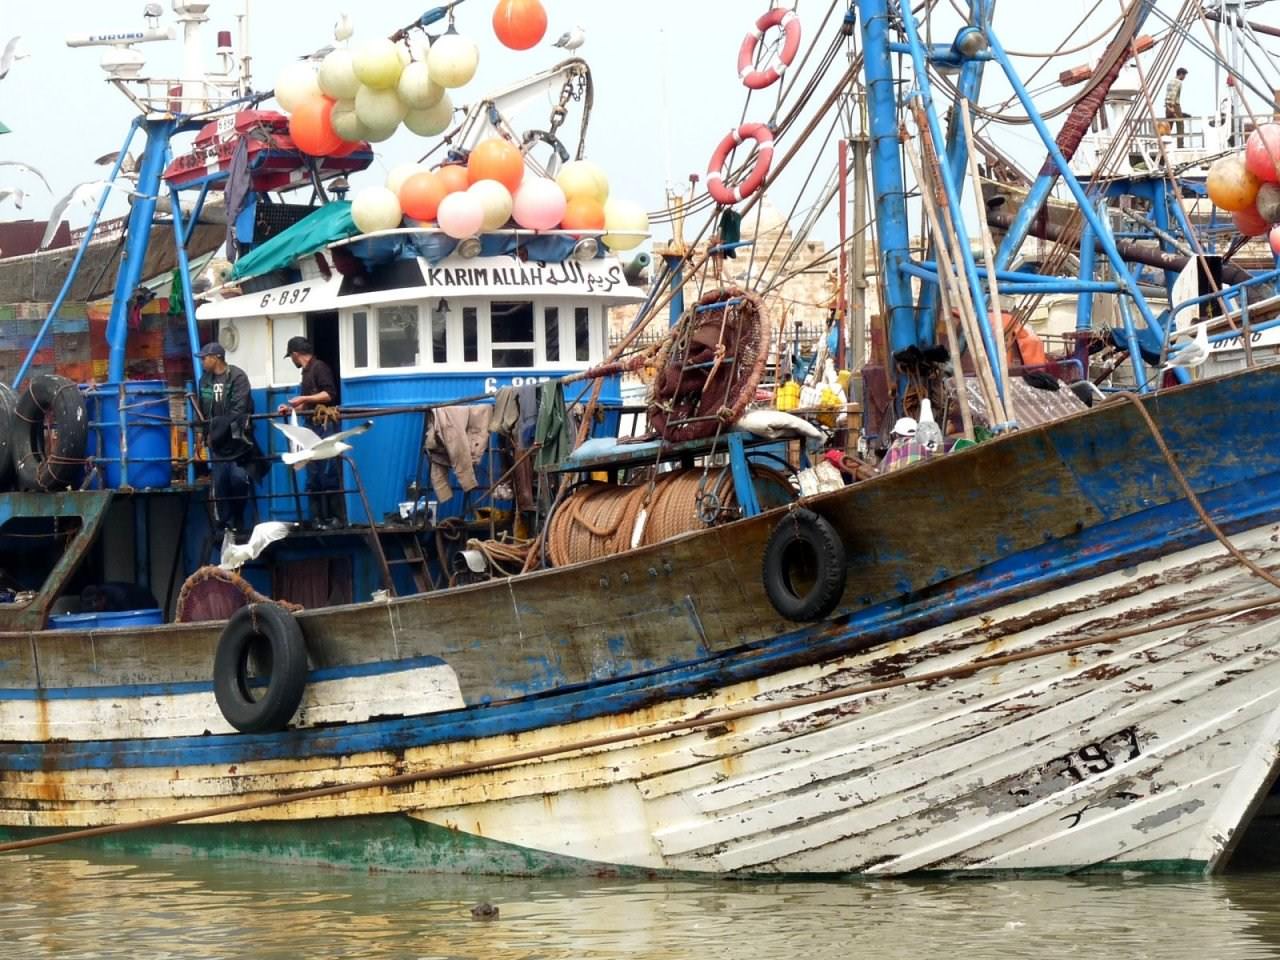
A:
(886, 173)
(137, 236)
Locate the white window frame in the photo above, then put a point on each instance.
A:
(567, 307)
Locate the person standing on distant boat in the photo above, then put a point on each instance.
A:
(225, 406)
(1173, 103)
(318, 399)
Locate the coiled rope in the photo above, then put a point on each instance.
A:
(602, 519)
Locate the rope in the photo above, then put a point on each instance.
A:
(1192, 499)
(599, 520)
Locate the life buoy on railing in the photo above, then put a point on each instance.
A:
(722, 192)
(265, 637)
(805, 566)
(52, 459)
(759, 78)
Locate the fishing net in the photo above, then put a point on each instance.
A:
(709, 366)
(212, 593)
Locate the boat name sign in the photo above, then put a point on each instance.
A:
(499, 275)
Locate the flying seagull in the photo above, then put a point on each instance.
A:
(310, 446)
(129, 168)
(15, 194)
(86, 194)
(236, 555)
(342, 30)
(571, 40)
(28, 168)
(13, 51)
(1194, 353)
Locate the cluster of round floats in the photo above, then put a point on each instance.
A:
(493, 189)
(1248, 185)
(368, 92)
(754, 77)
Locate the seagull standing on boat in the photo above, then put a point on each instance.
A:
(342, 30)
(1194, 353)
(86, 194)
(571, 40)
(13, 52)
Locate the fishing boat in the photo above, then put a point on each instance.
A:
(1053, 650)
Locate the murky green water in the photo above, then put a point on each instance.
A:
(68, 906)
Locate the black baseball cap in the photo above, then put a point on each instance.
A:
(298, 345)
(213, 349)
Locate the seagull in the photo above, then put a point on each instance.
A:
(571, 40)
(15, 194)
(28, 167)
(86, 194)
(129, 167)
(342, 30)
(236, 555)
(311, 446)
(1194, 353)
(13, 51)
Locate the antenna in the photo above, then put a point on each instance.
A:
(196, 91)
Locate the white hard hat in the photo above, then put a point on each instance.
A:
(905, 427)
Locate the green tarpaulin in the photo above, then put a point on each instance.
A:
(313, 232)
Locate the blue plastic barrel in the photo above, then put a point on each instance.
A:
(106, 620)
(149, 445)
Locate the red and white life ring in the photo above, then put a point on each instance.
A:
(722, 192)
(759, 79)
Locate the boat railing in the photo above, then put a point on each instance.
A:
(1235, 308)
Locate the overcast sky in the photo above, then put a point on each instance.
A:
(665, 77)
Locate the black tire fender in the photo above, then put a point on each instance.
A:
(805, 566)
(260, 632)
(53, 462)
(8, 405)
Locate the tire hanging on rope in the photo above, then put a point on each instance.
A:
(805, 566)
(50, 433)
(267, 637)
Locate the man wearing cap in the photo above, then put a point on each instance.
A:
(316, 399)
(225, 406)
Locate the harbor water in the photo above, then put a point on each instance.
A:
(69, 905)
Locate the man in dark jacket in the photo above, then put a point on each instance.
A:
(225, 406)
(318, 399)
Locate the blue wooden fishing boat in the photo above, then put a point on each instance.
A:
(1053, 650)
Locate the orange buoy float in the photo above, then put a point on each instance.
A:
(520, 24)
(722, 192)
(496, 159)
(454, 177)
(755, 78)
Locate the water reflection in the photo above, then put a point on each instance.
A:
(68, 907)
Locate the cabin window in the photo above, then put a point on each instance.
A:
(470, 335)
(398, 336)
(511, 333)
(582, 332)
(360, 339)
(551, 328)
(439, 336)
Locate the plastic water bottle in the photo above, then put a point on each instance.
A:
(928, 433)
